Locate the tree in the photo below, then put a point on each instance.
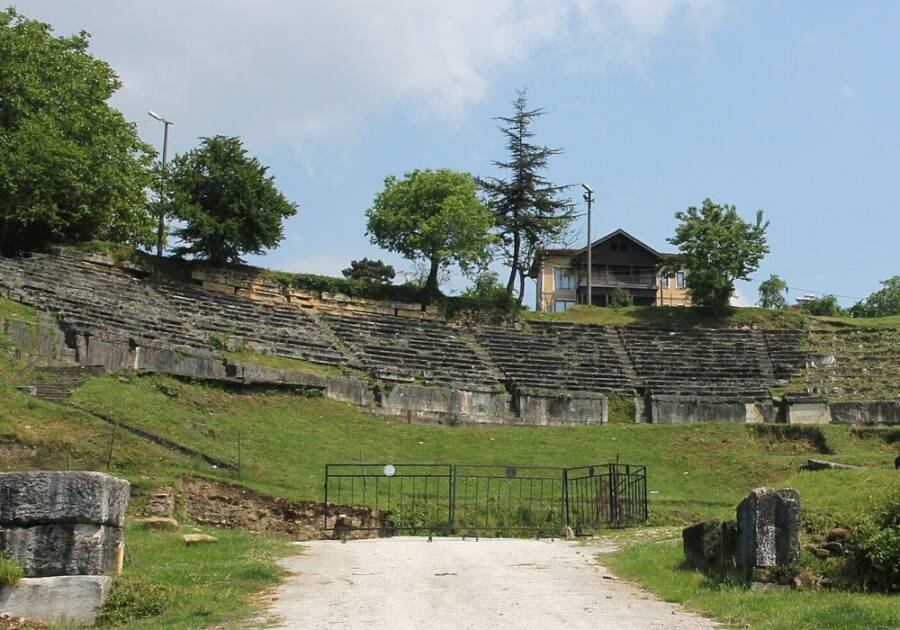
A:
(529, 212)
(227, 205)
(72, 169)
(881, 303)
(826, 305)
(771, 293)
(717, 247)
(432, 215)
(370, 271)
(486, 287)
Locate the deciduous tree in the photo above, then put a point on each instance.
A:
(717, 247)
(881, 303)
(771, 293)
(72, 168)
(227, 205)
(432, 215)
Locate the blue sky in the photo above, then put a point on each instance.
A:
(792, 107)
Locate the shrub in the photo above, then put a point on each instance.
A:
(620, 298)
(826, 305)
(353, 288)
(875, 548)
(10, 572)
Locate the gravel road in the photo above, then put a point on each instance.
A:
(401, 583)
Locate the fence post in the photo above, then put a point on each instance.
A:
(325, 503)
(452, 481)
(565, 481)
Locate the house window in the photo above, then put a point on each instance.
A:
(566, 279)
(664, 280)
(561, 305)
(679, 279)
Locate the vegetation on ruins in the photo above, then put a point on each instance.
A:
(881, 303)
(875, 548)
(227, 205)
(10, 571)
(718, 247)
(827, 305)
(529, 212)
(434, 216)
(72, 168)
(370, 271)
(771, 293)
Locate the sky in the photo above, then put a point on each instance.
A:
(792, 107)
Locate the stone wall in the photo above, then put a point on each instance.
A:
(668, 409)
(58, 524)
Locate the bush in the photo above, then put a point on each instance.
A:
(353, 288)
(875, 548)
(826, 305)
(620, 298)
(10, 572)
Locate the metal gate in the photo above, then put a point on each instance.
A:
(468, 499)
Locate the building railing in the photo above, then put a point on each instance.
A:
(613, 279)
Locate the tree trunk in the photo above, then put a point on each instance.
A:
(514, 263)
(521, 288)
(431, 284)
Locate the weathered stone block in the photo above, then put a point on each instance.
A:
(70, 598)
(59, 549)
(804, 409)
(703, 544)
(769, 528)
(667, 409)
(42, 498)
(551, 407)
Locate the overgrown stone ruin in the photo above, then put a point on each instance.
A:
(763, 542)
(403, 361)
(66, 531)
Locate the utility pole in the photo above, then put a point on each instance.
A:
(162, 184)
(589, 198)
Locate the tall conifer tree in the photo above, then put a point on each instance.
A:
(530, 212)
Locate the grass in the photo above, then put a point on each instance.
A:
(696, 471)
(658, 565)
(10, 572)
(10, 309)
(166, 584)
(686, 317)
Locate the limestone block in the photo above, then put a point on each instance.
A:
(41, 498)
(769, 528)
(198, 539)
(63, 549)
(69, 598)
(802, 409)
(703, 544)
(219, 288)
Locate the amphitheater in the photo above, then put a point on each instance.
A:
(405, 361)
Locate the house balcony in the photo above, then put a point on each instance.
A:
(618, 279)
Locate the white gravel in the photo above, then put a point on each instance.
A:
(402, 582)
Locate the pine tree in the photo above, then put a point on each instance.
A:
(529, 212)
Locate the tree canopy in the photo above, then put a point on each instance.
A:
(529, 212)
(827, 305)
(226, 203)
(432, 215)
(72, 168)
(370, 271)
(881, 303)
(771, 293)
(717, 247)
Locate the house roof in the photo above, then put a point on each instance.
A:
(576, 253)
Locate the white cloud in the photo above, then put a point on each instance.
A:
(312, 74)
(738, 298)
(847, 91)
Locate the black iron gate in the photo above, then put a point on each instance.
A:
(463, 499)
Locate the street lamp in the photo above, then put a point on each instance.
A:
(589, 198)
(162, 183)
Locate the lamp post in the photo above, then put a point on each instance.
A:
(589, 198)
(162, 183)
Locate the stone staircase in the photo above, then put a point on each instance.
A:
(56, 384)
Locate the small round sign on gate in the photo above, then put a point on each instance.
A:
(510, 472)
(389, 470)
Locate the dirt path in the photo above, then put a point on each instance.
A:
(401, 583)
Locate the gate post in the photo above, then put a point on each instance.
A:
(565, 480)
(451, 480)
(325, 504)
